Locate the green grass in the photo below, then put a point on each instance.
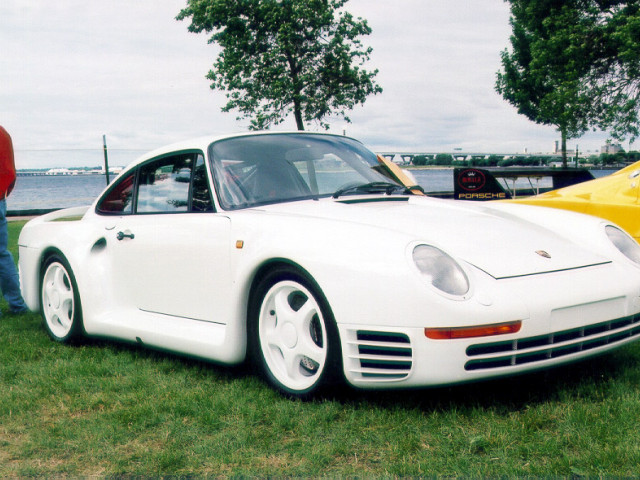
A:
(111, 409)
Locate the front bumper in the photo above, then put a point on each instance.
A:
(561, 327)
(386, 359)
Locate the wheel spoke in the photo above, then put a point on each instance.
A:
(271, 337)
(66, 297)
(48, 291)
(307, 346)
(283, 310)
(61, 318)
(303, 316)
(58, 279)
(309, 349)
(292, 364)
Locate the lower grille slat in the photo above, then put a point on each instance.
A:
(554, 345)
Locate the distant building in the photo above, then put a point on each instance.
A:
(611, 148)
(59, 171)
(558, 150)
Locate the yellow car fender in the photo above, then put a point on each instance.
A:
(614, 198)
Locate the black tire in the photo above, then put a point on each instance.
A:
(293, 338)
(60, 301)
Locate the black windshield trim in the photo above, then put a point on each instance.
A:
(375, 199)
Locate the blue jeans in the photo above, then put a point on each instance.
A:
(9, 280)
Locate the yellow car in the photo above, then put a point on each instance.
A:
(614, 197)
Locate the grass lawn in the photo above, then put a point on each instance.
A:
(105, 408)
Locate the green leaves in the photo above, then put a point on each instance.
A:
(285, 56)
(575, 64)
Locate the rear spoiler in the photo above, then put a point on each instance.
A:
(506, 183)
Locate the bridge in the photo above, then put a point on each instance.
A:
(407, 157)
(35, 173)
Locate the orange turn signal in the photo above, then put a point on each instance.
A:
(451, 333)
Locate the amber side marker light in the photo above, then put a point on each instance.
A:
(451, 333)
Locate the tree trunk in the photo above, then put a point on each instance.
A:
(564, 147)
(297, 90)
(297, 111)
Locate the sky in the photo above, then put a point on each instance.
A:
(73, 71)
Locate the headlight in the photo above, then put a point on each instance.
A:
(624, 243)
(439, 269)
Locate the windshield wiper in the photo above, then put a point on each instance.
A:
(373, 187)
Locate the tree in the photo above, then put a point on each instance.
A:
(493, 160)
(614, 78)
(607, 159)
(575, 64)
(542, 74)
(443, 159)
(283, 56)
(420, 160)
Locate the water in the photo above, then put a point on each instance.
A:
(62, 191)
(434, 180)
(49, 192)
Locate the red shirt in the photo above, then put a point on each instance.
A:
(7, 165)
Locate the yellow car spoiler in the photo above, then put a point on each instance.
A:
(394, 172)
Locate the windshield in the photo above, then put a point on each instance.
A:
(260, 169)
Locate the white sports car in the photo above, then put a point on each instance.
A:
(291, 250)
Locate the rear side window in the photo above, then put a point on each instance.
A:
(119, 200)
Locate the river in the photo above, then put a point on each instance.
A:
(49, 192)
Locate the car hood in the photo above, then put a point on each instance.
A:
(499, 243)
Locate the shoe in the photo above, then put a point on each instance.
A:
(19, 311)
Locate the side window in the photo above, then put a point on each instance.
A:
(119, 200)
(163, 185)
(201, 197)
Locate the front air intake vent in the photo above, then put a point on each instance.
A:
(381, 355)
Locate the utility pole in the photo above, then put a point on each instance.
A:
(106, 159)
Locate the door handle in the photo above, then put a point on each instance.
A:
(123, 235)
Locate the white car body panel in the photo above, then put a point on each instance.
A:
(183, 282)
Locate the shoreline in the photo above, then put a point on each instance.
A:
(17, 215)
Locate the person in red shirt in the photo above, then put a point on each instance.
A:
(9, 280)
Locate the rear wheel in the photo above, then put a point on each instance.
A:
(61, 310)
(293, 335)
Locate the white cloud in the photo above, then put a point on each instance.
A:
(73, 70)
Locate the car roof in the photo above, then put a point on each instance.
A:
(203, 142)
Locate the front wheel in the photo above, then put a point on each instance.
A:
(293, 334)
(61, 310)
